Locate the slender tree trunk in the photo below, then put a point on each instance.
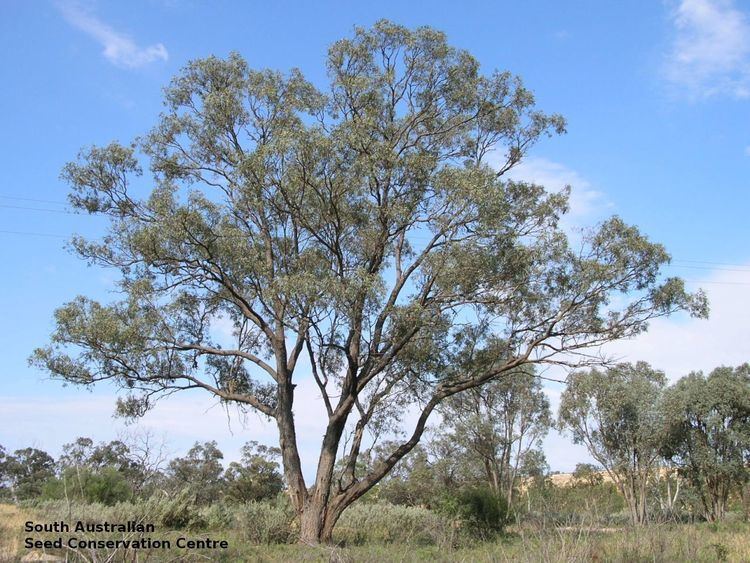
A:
(288, 444)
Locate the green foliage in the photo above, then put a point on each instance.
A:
(200, 472)
(368, 224)
(265, 522)
(416, 481)
(105, 486)
(383, 522)
(708, 421)
(256, 477)
(26, 471)
(5, 491)
(617, 414)
(491, 429)
(585, 502)
(175, 512)
(480, 511)
(587, 474)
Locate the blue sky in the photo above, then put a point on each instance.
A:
(657, 97)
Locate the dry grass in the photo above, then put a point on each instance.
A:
(526, 543)
(12, 519)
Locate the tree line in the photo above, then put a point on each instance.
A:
(138, 469)
(667, 451)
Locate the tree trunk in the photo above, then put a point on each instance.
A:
(312, 520)
(318, 519)
(289, 452)
(320, 511)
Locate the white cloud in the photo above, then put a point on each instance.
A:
(677, 345)
(710, 53)
(119, 48)
(586, 203)
(680, 345)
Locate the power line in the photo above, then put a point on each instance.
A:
(37, 209)
(33, 199)
(747, 270)
(708, 262)
(716, 282)
(32, 234)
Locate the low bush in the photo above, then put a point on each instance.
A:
(387, 523)
(265, 522)
(481, 512)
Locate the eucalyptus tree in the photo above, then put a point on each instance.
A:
(256, 476)
(359, 228)
(26, 471)
(200, 471)
(5, 483)
(708, 417)
(616, 413)
(497, 425)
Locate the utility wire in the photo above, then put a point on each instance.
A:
(747, 270)
(37, 209)
(33, 199)
(26, 233)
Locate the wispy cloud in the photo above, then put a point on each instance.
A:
(119, 48)
(710, 52)
(586, 203)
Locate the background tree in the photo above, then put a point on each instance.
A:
(27, 470)
(100, 473)
(200, 471)
(256, 476)
(420, 479)
(5, 491)
(587, 474)
(497, 425)
(616, 413)
(709, 433)
(362, 226)
(148, 455)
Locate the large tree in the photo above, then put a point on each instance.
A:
(617, 414)
(359, 228)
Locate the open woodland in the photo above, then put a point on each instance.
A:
(366, 233)
(673, 484)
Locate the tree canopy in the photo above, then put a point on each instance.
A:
(617, 414)
(367, 226)
(708, 419)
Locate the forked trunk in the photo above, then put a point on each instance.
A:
(317, 521)
(320, 512)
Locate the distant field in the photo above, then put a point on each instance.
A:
(699, 542)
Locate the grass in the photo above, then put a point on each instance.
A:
(659, 543)
(11, 524)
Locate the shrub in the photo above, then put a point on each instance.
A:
(383, 522)
(481, 512)
(166, 513)
(265, 522)
(106, 486)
